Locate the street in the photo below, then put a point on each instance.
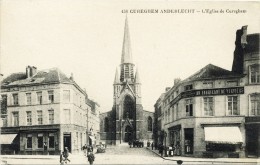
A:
(114, 155)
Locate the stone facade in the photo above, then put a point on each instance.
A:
(215, 98)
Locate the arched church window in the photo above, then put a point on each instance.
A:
(106, 125)
(150, 123)
(129, 108)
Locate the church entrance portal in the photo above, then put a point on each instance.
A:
(128, 134)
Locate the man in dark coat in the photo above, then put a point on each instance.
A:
(91, 158)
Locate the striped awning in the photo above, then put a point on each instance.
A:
(225, 135)
(7, 138)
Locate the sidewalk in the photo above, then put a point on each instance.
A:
(212, 160)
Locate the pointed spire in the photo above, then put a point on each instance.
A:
(137, 78)
(126, 50)
(116, 78)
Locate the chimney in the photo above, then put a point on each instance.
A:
(167, 88)
(33, 71)
(177, 81)
(240, 43)
(71, 77)
(28, 71)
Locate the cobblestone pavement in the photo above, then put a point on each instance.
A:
(114, 155)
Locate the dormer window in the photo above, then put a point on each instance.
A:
(208, 84)
(188, 87)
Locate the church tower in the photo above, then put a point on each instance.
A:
(127, 105)
(127, 121)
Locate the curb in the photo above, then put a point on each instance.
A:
(211, 161)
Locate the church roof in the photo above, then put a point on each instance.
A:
(126, 50)
(212, 72)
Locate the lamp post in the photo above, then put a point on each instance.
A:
(165, 135)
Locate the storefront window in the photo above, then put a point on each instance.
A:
(220, 147)
(40, 140)
(51, 140)
(29, 141)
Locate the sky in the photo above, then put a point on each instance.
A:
(85, 38)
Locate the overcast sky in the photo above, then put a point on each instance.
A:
(85, 38)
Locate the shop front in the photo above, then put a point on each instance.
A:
(223, 141)
(252, 125)
(175, 139)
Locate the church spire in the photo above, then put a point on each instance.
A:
(126, 50)
(116, 81)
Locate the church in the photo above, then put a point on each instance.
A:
(127, 120)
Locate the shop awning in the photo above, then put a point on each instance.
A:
(7, 138)
(225, 135)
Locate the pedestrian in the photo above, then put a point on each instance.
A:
(45, 148)
(66, 154)
(91, 158)
(152, 145)
(84, 148)
(161, 150)
(62, 162)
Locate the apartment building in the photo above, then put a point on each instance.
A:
(215, 112)
(42, 112)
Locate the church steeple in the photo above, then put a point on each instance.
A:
(127, 71)
(126, 50)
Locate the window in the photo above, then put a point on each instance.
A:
(29, 117)
(255, 74)
(15, 99)
(188, 87)
(29, 141)
(220, 147)
(189, 107)
(39, 97)
(28, 98)
(4, 120)
(232, 83)
(51, 140)
(232, 105)
(208, 84)
(66, 96)
(150, 123)
(39, 116)
(40, 140)
(255, 104)
(15, 118)
(51, 116)
(51, 96)
(67, 116)
(208, 106)
(4, 104)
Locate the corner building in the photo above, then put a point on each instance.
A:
(215, 112)
(42, 107)
(127, 120)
